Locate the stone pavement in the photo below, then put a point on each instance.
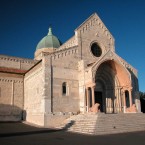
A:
(23, 134)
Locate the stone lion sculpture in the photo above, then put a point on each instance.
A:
(131, 109)
(95, 108)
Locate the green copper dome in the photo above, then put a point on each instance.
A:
(49, 41)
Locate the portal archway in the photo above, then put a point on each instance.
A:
(108, 87)
(110, 79)
(106, 78)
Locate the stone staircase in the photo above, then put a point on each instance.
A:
(97, 124)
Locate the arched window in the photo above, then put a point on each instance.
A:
(64, 88)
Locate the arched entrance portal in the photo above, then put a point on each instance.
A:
(111, 88)
(106, 81)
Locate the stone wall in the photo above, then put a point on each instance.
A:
(70, 101)
(11, 97)
(55, 120)
(33, 90)
(66, 58)
(16, 62)
(62, 67)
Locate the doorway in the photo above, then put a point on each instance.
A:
(99, 99)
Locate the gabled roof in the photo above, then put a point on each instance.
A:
(96, 17)
(86, 20)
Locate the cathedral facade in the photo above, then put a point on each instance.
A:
(68, 79)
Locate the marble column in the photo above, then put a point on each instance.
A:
(120, 101)
(117, 99)
(93, 97)
(130, 97)
(87, 92)
(124, 102)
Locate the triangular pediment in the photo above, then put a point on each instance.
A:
(87, 20)
(94, 20)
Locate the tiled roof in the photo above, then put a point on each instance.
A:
(12, 70)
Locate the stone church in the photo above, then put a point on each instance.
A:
(68, 79)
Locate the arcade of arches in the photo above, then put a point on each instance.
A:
(111, 88)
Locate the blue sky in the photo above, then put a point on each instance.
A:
(24, 22)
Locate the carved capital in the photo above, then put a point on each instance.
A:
(90, 85)
(93, 85)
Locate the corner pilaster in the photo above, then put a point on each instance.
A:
(46, 78)
(81, 78)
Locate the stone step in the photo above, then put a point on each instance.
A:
(109, 128)
(107, 123)
(105, 131)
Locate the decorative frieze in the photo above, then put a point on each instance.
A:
(91, 22)
(15, 59)
(62, 53)
(10, 80)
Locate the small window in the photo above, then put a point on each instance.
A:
(64, 88)
(96, 50)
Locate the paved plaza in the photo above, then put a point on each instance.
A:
(23, 134)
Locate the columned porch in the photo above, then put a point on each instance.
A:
(110, 87)
(114, 104)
